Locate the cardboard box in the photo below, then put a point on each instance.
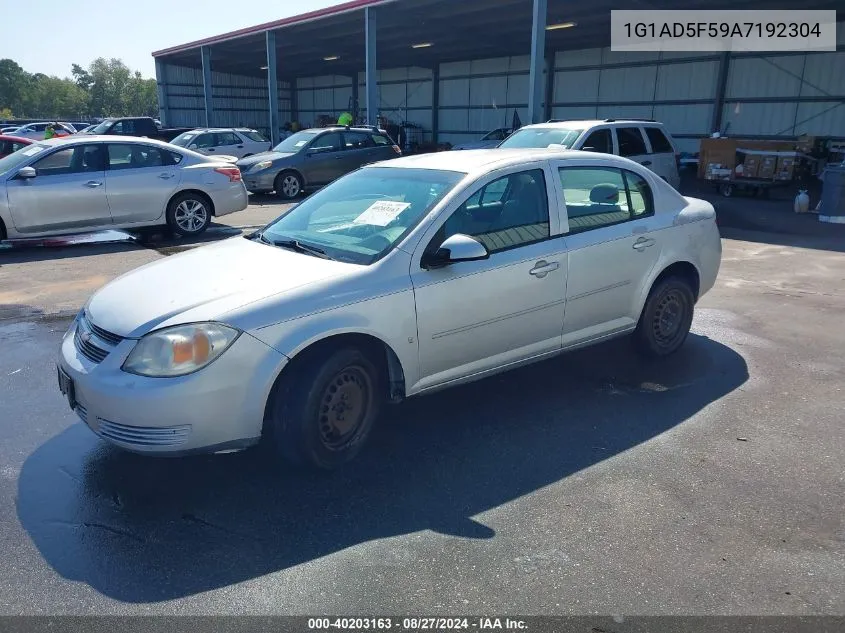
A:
(768, 165)
(750, 166)
(786, 167)
(806, 144)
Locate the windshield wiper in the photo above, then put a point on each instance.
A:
(296, 245)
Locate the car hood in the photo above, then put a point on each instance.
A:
(257, 158)
(204, 284)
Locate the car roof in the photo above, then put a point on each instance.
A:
(12, 137)
(101, 138)
(588, 123)
(480, 160)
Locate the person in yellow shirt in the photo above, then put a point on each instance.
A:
(344, 119)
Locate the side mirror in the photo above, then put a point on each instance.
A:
(457, 248)
(192, 146)
(27, 172)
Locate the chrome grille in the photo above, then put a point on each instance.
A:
(100, 333)
(82, 412)
(82, 341)
(144, 435)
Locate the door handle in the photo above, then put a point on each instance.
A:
(93, 183)
(240, 146)
(165, 176)
(543, 268)
(642, 243)
(645, 163)
(338, 157)
(210, 149)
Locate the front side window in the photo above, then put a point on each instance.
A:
(71, 160)
(204, 141)
(603, 196)
(543, 137)
(631, 141)
(508, 212)
(330, 142)
(599, 141)
(184, 139)
(360, 217)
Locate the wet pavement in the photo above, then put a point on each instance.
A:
(711, 482)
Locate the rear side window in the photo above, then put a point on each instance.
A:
(599, 141)
(631, 141)
(603, 196)
(659, 143)
(378, 139)
(357, 140)
(227, 138)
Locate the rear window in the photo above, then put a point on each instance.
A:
(379, 139)
(659, 143)
(252, 135)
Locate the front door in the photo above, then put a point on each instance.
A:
(614, 243)
(139, 182)
(631, 143)
(480, 315)
(68, 192)
(324, 159)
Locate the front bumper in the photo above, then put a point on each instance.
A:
(260, 182)
(219, 407)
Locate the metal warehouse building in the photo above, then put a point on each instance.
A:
(457, 69)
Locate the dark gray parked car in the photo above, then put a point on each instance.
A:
(312, 158)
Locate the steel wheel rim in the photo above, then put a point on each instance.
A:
(191, 215)
(343, 407)
(669, 317)
(290, 186)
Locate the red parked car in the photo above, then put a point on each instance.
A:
(9, 144)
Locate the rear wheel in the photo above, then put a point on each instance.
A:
(188, 214)
(323, 410)
(2, 231)
(666, 317)
(288, 185)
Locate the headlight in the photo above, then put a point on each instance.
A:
(179, 350)
(264, 164)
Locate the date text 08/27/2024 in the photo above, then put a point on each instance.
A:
(415, 624)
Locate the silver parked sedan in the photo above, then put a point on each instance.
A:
(89, 183)
(401, 278)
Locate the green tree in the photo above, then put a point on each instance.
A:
(14, 82)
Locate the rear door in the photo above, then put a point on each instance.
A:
(67, 194)
(662, 153)
(227, 143)
(139, 182)
(360, 150)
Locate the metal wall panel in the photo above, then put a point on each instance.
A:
(488, 91)
(576, 86)
(405, 94)
(685, 119)
(625, 111)
(618, 85)
(765, 76)
(822, 118)
(454, 92)
(575, 59)
(759, 119)
(693, 80)
(574, 112)
(609, 57)
(824, 75)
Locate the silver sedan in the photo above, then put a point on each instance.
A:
(399, 279)
(89, 183)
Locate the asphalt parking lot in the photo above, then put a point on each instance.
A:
(709, 483)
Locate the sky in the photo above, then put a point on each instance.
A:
(128, 30)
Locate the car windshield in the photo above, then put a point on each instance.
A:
(362, 216)
(295, 142)
(542, 137)
(184, 138)
(103, 127)
(16, 159)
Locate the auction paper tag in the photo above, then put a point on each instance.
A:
(381, 213)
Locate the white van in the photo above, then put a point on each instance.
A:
(644, 141)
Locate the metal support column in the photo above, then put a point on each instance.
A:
(535, 74)
(206, 83)
(355, 106)
(272, 86)
(370, 65)
(294, 102)
(721, 88)
(435, 103)
(550, 86)
(161, 89)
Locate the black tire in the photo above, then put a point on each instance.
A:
(666, 317)
(307, 421)
(726, 190)
(2, 231)
(189, 214)
(288, 185)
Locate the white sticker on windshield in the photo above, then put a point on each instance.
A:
(32, 151)
(381, 213)
(300, 143)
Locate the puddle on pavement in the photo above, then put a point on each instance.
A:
(100, 237)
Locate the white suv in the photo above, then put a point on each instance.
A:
(644, 141)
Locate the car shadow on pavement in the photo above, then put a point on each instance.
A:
(144, 530)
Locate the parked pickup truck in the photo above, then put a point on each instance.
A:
(137, 126)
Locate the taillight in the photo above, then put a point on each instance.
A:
(232, 173)
(397, 150)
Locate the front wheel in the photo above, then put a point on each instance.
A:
(324, 410)
(666, 317)
(288, 185)
(188, 214)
